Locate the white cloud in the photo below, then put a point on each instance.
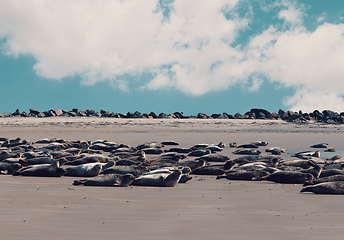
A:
(310, 61)
(309, 101)
(320, 19)
(291, 15)
(192, 49)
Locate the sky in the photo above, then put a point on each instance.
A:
(188, 56)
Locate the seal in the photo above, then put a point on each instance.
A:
(214, 169)
(8, 168)
(260, 143)
(252, 166)
(214, 158)
(275, 150)
(289, 177)
(332, 149)
(149, 145)
(84, 170)
(41, 170)
(199, 152)
(307, 154)
(89, 159)
(332, 178)
(320, 145)
(298, 163)
(135, 170)
(107, 180)
(159, 180)
(244, 175)
(315, 171)
(248, 145)
(214, 148)
(193, 164)
(247, 152)
(152, 150)
(336, 187)
(126, 162)
(39, 160)
(169, 143)
(331, 172)
(168, 170)
(255, 158)
(179, 150)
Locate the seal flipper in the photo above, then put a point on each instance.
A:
(221, 176)
(79, 182)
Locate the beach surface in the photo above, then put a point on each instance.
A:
(203, 208)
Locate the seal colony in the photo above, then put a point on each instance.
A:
(164, 164)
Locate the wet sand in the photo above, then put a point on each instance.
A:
(203, 208)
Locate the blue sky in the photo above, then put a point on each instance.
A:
(166, 56)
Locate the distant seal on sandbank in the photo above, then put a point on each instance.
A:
(336, 187)
(107, 180)
(159, 180)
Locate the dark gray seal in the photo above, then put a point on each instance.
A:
(199, 152)
(9, 168)
(289, 177)
(159, 180)
(179, 150)
(214, 158)
(247, 152)
(84, 170)
(320, 145)
(152, 150)
(298, 163)
(326, 188)
(135, 170)
(169, 143)
(149, 145)
(331, 172)
(315, 171)
(107, 180)
(214, 169)
(332, 178)
(42, 170)
(244, 175)
(248, 145)
(89, 159)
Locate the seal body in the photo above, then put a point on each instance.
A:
(159, 179)
(8, 168)
(291, 177)
(42, 170)
(84, 170)
(336, 187)
(107, 180)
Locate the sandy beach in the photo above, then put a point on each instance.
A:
(203, 208)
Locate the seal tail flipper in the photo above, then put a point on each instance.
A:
(18, 173)
(316, 154)
(221, 176)
(306, 189)
(79, 182)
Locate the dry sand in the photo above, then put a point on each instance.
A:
(203, 208)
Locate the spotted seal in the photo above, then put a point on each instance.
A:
(41, 170)
(159, 180)
(107, 180)
(336, 187)
(8, 168)
(289, 177)
(84, 170)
